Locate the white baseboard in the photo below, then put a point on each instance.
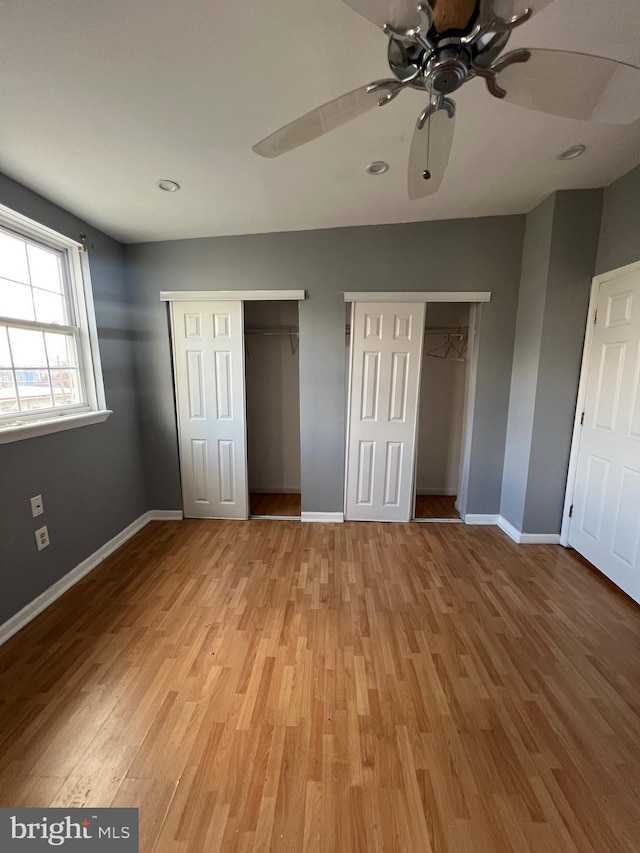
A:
(326, 517)
(446, 490)
(165, 515)
(539, 538)
(527, 538)
(481, 519)
(274, 518)
(508, 528)
(437, 521)
(35, 607)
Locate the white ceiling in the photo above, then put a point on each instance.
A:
(101, 99)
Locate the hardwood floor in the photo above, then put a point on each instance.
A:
(436, 506)
(261, 503)
(274, 686)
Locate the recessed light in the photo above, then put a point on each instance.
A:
(169, 186)
(572, 153)
(378, 167)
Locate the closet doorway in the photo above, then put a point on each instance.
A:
(441, 411)
(273, 409)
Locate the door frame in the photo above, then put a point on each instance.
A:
(597, 281)
(222, 296)
(474, 298)
(232, 295)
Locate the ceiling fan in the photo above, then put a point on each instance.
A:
(438, 46)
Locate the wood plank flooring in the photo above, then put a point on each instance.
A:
(436, 506)
(274, 686)
(262, 503)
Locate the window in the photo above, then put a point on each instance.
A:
(49, 366)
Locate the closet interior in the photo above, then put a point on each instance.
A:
(441, 410)
(273, 408)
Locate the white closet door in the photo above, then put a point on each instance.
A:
(386, 354)
(605, 523)
(208, 344)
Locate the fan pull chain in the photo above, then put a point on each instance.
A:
(427, 174)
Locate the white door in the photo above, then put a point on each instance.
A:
(605, 521)
(208, 351)
(386, 354)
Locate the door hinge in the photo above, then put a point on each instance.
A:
(595, 316)
(571, 511)
(581, 419)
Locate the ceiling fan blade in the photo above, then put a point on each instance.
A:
(430, 149)
(507, 9)
(401, 14)
(323, 119)
(574, 85)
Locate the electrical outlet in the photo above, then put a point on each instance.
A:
(42, 537)
(37, 507)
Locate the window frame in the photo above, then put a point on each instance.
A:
(81, 325)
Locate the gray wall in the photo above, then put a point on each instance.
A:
(526, 359)
(620, 231)
(558, 265)
(576, 224)
(91, 478)
(478, 254)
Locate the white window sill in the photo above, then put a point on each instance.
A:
(32, 429)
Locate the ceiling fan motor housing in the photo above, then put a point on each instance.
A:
(447, 69)
(440, 70)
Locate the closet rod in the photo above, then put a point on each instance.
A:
(272, 331)
(452, 331)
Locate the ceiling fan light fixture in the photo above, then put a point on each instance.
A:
(168, 186)
(572, 153)
(378, 167)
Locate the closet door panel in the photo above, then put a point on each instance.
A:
(386, 341)
(208, 351)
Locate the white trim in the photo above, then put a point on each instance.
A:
(527, 538)
(89, 339)
(540, 539)
(274, 518)
(347, 434)
(35, 607)
(582, 393)
(18, 431)
(617, 272)
(481, 519)
(580, 402)
(448, 490)
(418, 296)
(327, 517)
(28, 226)
(165, 515)
(508, 528)
(76, 274)
(512, 532)
(470, 385)
(437, 521)
(226, 295)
